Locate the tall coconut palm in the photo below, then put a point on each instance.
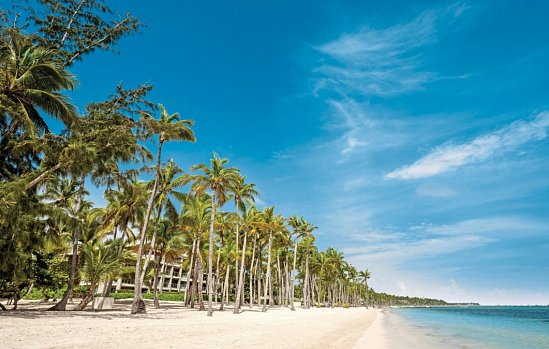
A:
(364, 276)
(168, 128)
(32, 78)
(243, 193)
(307, 234)
(167, 247)
(217, 179)
(171, 179)
(195, 219)
(297, 225)
(308, 248)
(271, 223)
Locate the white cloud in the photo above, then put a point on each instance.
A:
(399, 252)
(382, 248)
(490, 225)
(449, 157)
(378, 62)
(363, 128)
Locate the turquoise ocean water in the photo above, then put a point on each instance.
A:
(509, 327)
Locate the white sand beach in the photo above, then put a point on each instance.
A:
(173, 326)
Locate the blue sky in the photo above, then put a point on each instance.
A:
(413, 133)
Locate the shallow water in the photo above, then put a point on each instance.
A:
(508, 327)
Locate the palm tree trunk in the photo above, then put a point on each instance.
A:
(155, 281)
(306, 283)
(287, 279)
(210, 256)
(367, 295)
(236, 259)
(252, 274)
(268, 275)
(152, 249)
(294, 271)
(225, 292)
(258, 275)
(87, 298)
(216, 280)
(279, 279)
(200, 278)
(43, 175)
(138, 305)
(62, 305)
(240, 284)
(189, 273)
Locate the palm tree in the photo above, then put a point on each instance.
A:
(219, 180)
(364, 276)
(168, 247)
(270, 223)
(170, 180)
(168, 128)
(195, 219)
(307, 234)
(124, 209)
(242, 193)
(300, 229)
(308, 248)
(101, 262)
(32, 78)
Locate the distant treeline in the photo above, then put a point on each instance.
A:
(384, 299)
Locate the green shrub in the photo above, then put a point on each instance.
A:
(166, 296)
(39, 293)
(346, 305)
(35, 295)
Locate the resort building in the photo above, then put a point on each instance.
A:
(172, 278)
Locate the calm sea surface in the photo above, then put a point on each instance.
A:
(510, 327)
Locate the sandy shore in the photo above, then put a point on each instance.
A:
(173, 326)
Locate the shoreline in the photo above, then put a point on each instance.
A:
(174, 326)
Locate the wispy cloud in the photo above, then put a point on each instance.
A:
(436, 191)
(383, 62)
(487, 226)
(400, 251)
(450, 157)
(361, 127)
(377, 62)
(381, 247)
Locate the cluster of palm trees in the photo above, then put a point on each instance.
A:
(250, 255)
(52, 237)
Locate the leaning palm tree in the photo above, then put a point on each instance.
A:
(171, 178)
(218, 179)
(32, 78)
(168, 128)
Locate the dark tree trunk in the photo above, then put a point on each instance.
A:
(87, 298)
